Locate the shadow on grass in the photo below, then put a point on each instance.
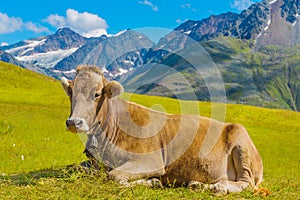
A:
(68, 173)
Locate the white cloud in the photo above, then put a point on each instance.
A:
(241, 4)
(3, 44)
(148, 3)
(180, 21)
(87, 24)
(12, 24)
(95, 33)
(56, 21)
(35, 27)
(9, 24)
(188, 6)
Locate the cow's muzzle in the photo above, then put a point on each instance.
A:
(77, 125)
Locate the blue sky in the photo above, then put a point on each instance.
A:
(21, 19)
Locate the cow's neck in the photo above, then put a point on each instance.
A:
(119, 120)
(107, 119)
(104, 133)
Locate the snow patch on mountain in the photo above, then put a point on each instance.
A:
(30, 44)
(46, 60)
(271, 2)
(69, 72)
(128, 62)
(119, 33)
(121, 72)
(297, 15)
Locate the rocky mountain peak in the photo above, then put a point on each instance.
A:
(64, 31)
(282, 26)
(290, 9)
(63, 39)
(211, 27)
(275, 18)
(115, 55)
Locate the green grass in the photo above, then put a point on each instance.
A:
(33, 110)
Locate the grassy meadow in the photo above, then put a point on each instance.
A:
(38, 158)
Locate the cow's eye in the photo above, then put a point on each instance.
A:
(69, 91)
(97, 95)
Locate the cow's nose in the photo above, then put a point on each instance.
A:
(70, 122)
(76, 124)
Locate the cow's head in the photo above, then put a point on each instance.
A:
(88, 92)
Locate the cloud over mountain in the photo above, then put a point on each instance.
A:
(9, 24)
(241, 4)
(87, 24)
(13, 24)
(148, 3)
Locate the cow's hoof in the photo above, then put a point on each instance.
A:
(119, 177)
(91, 165)
(219, 189)
(156, 183)
(196, 185)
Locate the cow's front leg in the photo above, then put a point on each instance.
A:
(137, 172)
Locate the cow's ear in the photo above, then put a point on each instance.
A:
(66, 84)
(113, 89)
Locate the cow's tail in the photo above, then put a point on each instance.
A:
(260, 191)
(258, 177)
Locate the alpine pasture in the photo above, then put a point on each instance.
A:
(39, 159)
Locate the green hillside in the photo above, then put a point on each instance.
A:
(267, 77)
(33, 111)
(36, 149)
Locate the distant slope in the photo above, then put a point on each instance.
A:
(268, 77)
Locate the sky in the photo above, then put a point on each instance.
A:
(20, 19)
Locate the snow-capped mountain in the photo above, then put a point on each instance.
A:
(115, 55)
(59, 54)
(270, 22)
(45, 52)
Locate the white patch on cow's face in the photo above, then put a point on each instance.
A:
(66, 84)
(64, 81)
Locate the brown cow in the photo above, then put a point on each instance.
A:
(141, 145)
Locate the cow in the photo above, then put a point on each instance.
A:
(143, 146)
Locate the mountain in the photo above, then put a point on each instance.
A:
(59, 54)
(256, 53)
(283, 27)
(115, 55)
(6, 57)
(228, 70)
(249, 24)
(44, 52)
(268, 23)
(66, 66)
